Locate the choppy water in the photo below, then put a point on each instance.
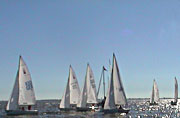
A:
(139, 108)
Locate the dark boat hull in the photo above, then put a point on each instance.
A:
(173, 103)
(78, 109)
(67, 109)
(152, 104)
(111, 111)
(19, 112)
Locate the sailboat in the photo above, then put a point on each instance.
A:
(71, 94)
(88, 97)
(155, 94)
(22, 99)
(175, 93)
(116, 96)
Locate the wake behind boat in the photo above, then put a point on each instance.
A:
(115, 95)
(71, 93)
(22, 100)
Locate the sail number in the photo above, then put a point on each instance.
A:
(29, 85)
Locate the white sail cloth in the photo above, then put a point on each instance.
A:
(155, 93)
(88, 94)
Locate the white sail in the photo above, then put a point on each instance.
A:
(26, 90)
(74, 87)
(91, 86)
(83, 96)
(72, 91)
(88, 94)
(119, 94)
(65, 101)
(176, 91)
(152, 95)
(156, 92)
(110, 103)
(13, 101)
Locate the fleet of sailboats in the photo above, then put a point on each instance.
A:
(22, 100)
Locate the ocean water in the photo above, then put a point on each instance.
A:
(139, 108)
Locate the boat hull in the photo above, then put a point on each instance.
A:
(19, 112)
(153, 104)
(173, 103)
(67, 109)
(111, 111)
(78, 109)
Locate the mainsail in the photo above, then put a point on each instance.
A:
(176, 91)
(23, 92)
(88, 94)
(155, 93)
(26, 90)
(119, 94)
(72, 91)
(74, 87)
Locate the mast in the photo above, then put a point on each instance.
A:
(102, 77)
(104, 81)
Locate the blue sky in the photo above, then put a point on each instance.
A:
(51, 35)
